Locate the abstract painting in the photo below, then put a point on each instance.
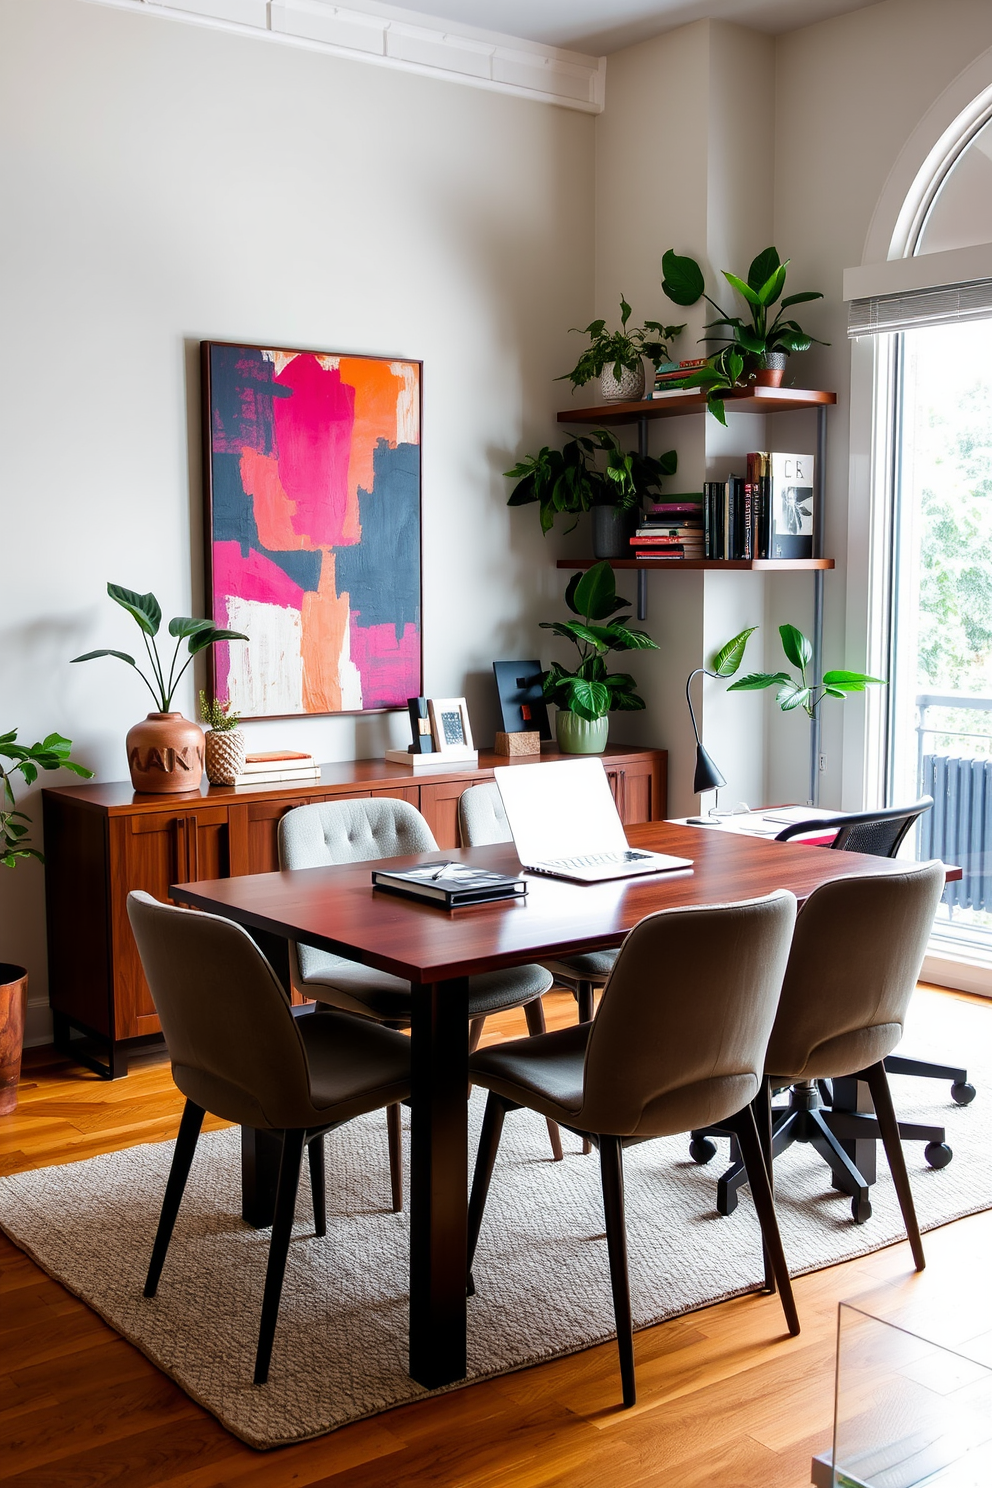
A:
(312, 475)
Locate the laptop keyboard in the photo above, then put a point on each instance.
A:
(598, 860)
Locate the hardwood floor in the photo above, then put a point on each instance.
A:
(724, 1397)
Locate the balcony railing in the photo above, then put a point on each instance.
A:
(959, 828)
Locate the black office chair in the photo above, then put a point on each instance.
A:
(879, 833)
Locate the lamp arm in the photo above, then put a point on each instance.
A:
(700, 671)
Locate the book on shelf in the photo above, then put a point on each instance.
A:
(450, 884)
(689, 505)
(790, 506)
(690, 364)
(680, 391)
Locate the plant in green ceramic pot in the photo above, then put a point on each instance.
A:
(585, 697)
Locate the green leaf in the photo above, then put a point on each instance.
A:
(791, 695)
(762, 267)
(770, 291)
(718, 411)
(595, 593)
(623, 639)
(851, 681)
(145, 608)
(91, 655)
(626, 702)
(574, 630)
(729, 657)
(204, 638)
(624, 312)
(185, 625)
(590, 700)
(742, 289)
(751, 341)
(682, 278)
(789, 341)
(800, 299)
(834, 692)
(755, 681)
(797, 648)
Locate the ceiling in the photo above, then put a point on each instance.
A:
(602, 26)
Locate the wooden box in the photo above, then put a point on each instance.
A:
(522, 743)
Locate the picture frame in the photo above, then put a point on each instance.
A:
(450, 726)
(312, 515)
(519, 685)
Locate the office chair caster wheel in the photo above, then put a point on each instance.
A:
(963, 1093)
(702, 1150)
(937, 1154)
(860, 1209)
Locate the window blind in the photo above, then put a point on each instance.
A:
(941, 305)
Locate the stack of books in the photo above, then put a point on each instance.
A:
(277, 765)
(671, 377)
(766, 513)
(672, 531)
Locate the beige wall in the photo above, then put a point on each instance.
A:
(169, 183)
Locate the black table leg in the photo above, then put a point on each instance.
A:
(439, 1182)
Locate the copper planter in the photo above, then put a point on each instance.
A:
(13, 1008)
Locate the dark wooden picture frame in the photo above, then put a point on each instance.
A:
(313, 531)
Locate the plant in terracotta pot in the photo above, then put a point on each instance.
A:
(225, 744)
(585, 697)
(165, 752)
(617, 357)
(573, 480)
(51, 753)
(763, 339)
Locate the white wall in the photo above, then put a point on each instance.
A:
(165, 184)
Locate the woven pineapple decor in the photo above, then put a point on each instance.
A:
(225, 755)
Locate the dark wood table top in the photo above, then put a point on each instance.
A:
(338, 910)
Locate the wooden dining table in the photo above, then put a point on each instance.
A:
(436, 950)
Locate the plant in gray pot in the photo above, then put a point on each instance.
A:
(572, 480)
(585, 697)
(51, 753)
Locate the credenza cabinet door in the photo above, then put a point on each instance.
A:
(439, 805)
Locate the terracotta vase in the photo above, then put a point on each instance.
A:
(13, 1006)
(165, 753)
(772, 369)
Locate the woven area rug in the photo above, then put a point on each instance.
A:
(541, 1270)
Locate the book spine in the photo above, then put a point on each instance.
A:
(748, 531)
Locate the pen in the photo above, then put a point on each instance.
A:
(439, 871)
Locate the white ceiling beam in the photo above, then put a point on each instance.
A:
(387, 36)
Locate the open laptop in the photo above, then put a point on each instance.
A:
(565, 823)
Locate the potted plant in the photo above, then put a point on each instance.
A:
(571, 481)
(584, 697)
(165, 752)
(763, 340)
(617, 357)
(225, 744)
(51, 753)
(793, 692)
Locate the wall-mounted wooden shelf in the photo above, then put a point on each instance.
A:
(746, 400)
(667, 565)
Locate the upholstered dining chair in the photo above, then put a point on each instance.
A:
(856, 954)
(238, 1052)
(361, 831)
(652, 1061)
(482, 822)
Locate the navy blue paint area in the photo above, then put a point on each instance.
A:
(242, 386)
(233, 510)
(382, 572)
(303, 567)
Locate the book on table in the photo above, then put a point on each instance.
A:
(449, 884)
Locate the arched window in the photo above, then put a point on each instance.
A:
(959, 214)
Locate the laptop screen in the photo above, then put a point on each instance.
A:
(562, 809)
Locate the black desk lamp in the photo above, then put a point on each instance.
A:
(707, 776)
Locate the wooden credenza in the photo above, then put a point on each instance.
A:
(101, 841)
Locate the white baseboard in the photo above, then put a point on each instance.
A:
(963, 976)
(37, 1025)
